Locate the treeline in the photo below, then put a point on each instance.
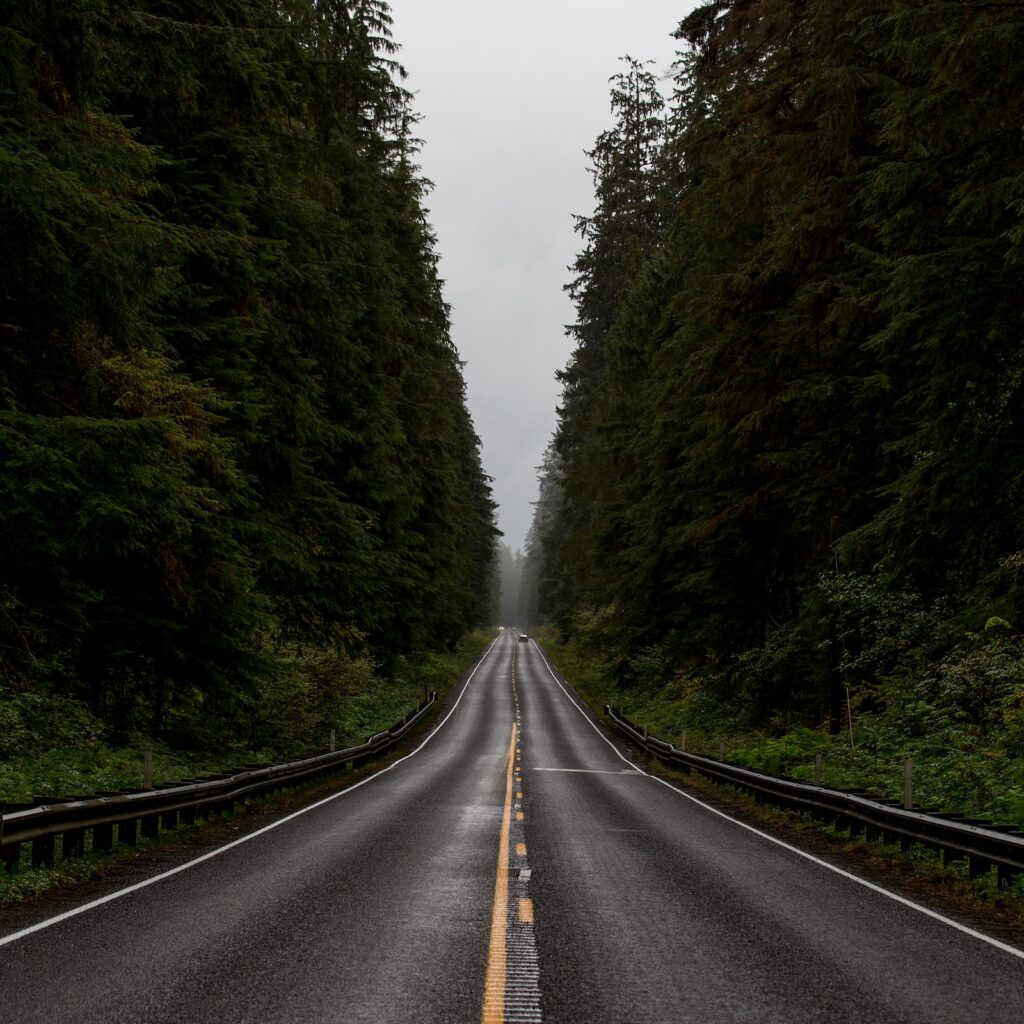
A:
(790, 455)
(233, 434)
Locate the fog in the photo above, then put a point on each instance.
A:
(511, 96)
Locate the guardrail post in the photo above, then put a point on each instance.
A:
(72, 844)
(149, 826)
(908, 783)
(103, 838)
(169, 820)
(42, 852)
(147, 770)
(817, 769)
(126, 834)
(333, 736)
(977, 866)
(11, 856)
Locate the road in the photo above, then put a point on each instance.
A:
(514, 867)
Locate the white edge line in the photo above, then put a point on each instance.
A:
(74, 912)
(981, 936)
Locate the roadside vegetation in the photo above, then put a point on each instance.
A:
(782, 505)
(61, 762)
(961, 723)
(241, 496)
(954, 768)
(58, 747)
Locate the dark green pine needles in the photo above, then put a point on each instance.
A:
(232, 423)
(799, 356)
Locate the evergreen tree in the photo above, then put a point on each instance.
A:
(803, 359)
(232, 422)
(618, 238)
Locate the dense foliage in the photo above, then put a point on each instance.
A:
(789, 461)
(234, 444)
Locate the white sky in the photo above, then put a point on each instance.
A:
(511, 95)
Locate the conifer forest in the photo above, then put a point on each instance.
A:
(238, 477)
(240, 489)
(786, 490)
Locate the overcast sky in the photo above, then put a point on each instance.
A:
(511, 95)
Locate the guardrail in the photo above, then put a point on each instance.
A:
(981, 843)
(134, 812)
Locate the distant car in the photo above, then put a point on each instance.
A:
(523, 638)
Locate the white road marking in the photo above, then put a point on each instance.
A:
(56, 919)
(594, 771)
(934, 915)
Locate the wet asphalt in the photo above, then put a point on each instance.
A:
(650, 907)
(376, 906)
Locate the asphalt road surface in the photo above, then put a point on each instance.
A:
(514, 867)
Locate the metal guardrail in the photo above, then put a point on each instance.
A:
(146, 811)
(981, 843)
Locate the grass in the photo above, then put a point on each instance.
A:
(954, 770)
(91, 765)
(94, 767)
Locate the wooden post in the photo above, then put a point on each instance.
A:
(333, 738)
(908, 783)
(103, 838)
(11, 855)
(42, 852)
(72, 844)
(817, 768)
(147, 770)
(682, 741)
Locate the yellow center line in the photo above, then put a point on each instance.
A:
(494, 982)
(526, 911)
(520, 849)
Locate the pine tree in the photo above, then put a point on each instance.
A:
(232, 423)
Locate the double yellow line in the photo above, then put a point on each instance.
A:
(494, 984)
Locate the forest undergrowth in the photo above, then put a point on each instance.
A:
(961, 719)
(56, 746)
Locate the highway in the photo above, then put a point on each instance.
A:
(515, 866)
